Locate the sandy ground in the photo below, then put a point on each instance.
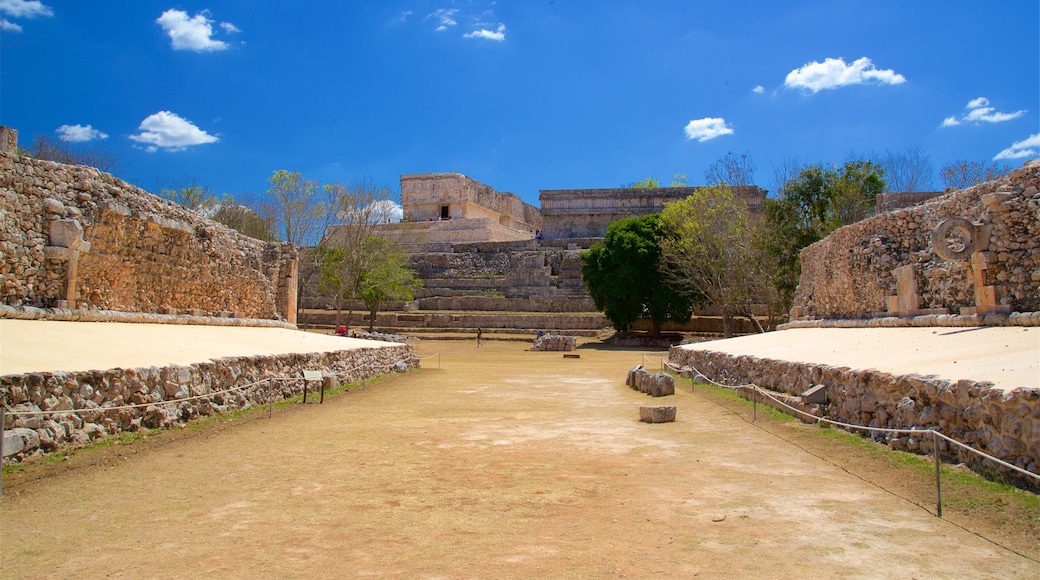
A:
(1007, 355)
(38, 345)
(502, 463)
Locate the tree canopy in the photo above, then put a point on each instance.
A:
(623, 277)
(708, 250)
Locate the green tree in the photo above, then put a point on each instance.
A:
(813, 204)
(295, 207)
(708, 250)
(648, 183)
(623, 277)
(189, 193)
(388, 279)
(351, 251)
(244, 219)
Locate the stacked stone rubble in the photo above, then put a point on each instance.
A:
(554, 342)
(1004, 424)
(653, 384)
(139, 253)
(75, 403)
(849, 274)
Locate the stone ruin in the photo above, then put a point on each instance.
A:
(72, 237)
(554, 343)
(971, 253)
(653, 384)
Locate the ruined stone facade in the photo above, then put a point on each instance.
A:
(74, 237)
(890, 265)
(586, 213)
(428, 197)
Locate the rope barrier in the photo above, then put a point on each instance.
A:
(913, 431)
(270, 398)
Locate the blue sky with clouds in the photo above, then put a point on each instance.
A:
(542, 94)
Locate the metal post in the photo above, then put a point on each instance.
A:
(304, 391)
(1, 450)
(270, 398)
(754, 403)
(438, 361)
(938, 484)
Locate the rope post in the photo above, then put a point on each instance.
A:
(270, 399)
(754, 403)
(438, 361)
(1, 450)
(938, 483)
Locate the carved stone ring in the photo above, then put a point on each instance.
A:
(954, 239)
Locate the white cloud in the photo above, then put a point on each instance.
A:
(758, 90)
(1019, 149)
(80, 133)
(707, 128)
(498, 34)
(165, 130)
(229, 28)
(21, 9)
(833, 73)
(194, 33)
(445, 17)
(25, 8)
(979, 111)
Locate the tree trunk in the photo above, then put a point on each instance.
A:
(372, 318)
(655, 327)
(727, 323)
(750, 316)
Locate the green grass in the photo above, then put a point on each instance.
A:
(196, 425)
(963, 489)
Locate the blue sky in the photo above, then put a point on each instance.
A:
(523, 96)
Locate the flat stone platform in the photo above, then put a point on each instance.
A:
(43, 345)
(1009, 356)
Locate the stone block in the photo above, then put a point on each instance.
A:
(663, 385)
(20, 440)
(657, 414)
(816, 395)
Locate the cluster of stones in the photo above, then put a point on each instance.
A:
(554, 343)
(1004, 424)
(383, 336)
(72, 408)
(653, 384)
(128, 249)
(850, 274)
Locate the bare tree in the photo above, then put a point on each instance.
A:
(733, 170)
(296, 208)
(963, 173)
(61, 150)
(909, 171)
(352, 250)
(784, 172)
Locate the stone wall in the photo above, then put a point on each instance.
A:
(423, 197)
(128, 250)
(1005, 424)
(76, 402)
(853, 272)
(586, 213)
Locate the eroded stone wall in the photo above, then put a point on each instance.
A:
(424, 195)
(1005, 424)
(77, 406)
(849, 274)
(132, 251)
(586, 213)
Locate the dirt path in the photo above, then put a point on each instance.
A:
(503, 463)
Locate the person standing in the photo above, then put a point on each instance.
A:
(480, 334)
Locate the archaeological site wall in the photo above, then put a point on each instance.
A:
(46, 410)
(436, 196)
(985, 261)
(586, 213)
(74, 237)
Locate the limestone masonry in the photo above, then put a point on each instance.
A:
(970, 252)
(586, 213)
(74, 237)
